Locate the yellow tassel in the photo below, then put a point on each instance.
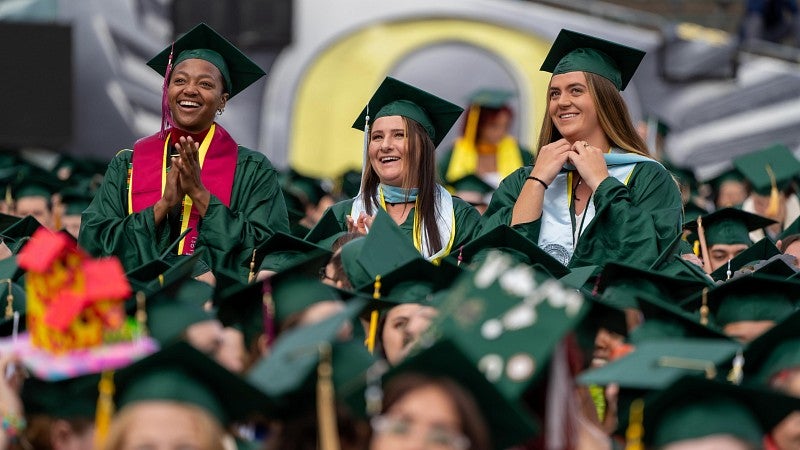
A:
(701, 234)
(736, 374)
(328, 438)
(704, 308)
(105, 408)
(373, 317)
(9, 198)
(9, 300)
(635, 430)
(471, 130)
(161, 280)
(774, 195)
(696, 248)
(252, 275)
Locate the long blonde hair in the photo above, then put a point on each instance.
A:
(612, 114)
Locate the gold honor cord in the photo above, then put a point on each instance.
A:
(701, 234)
(774, 194)
(326, 405)
(635, 430)
(699, 365)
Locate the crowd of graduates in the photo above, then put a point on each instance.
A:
(345, 324)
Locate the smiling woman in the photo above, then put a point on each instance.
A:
(400, 173)
(189, 184)
(593, 194)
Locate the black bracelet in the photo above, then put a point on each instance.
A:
(539, 180)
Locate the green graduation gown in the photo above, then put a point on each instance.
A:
(467, 220)
(633, 223)
(228, 235)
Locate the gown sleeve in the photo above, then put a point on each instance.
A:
(633, 224)
(257, 211)
(467, 223)
(108, 229)
(502, 205)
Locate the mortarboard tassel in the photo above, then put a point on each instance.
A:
(9, 300)
(704, 308)
(365, 156)
(728, 272)
(9, 197)
(105, 408)
(701, 233)
(268, 310)
(166, 115)
(252, 274)
(141, 314)
(774, 195)
(736, 374)
(373, 317)
(635, 430)
(471, 129)
(696, 249)
(326, 406)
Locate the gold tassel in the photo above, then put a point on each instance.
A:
(9, 300)
(696, 248)
(252, 275)
(161, 280)
(373, 317)
(141, 313)
(774, 195)
(701, 234)
(471, 130)
(704, 308)
(105, 408)
(635, 430)
(9, 198)
(328, 438)
(736, 374)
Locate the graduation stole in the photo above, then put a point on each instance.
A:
(148, 177)
(464, 160)
(445, 222)
(557, 232)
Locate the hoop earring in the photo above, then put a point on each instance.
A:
(219, 111)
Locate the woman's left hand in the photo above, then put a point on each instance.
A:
(590, 163)
(189, 166)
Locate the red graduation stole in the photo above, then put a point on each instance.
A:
(148, 176)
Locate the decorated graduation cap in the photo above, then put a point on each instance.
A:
(693, 408)
(507, 317)
(289, 373)
(202, 42)
(512, 242)
(749, 297)
(395, 98)
(573, 52)
(760, 251)
(729, 226)
(180, 373)
(774, 166)
(509, 424)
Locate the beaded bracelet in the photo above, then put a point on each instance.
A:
(13, 426)
(539, 180)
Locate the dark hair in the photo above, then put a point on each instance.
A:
(789, 240)
(612, 114)
(37, 434)
(486, 115)
(421, 174)
(473, 423)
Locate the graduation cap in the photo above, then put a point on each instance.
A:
(507, 317)
(792, 228)
(729, 226)
(414, 282)
(36, 183)
(327, 230)
(693, 408)
(202, 42)
(308, 190)
(573, 52)
(288, 374)
(472, 189)
(490, 97)
(14, 302)
(512, 242)
(508, 422)
(18, 234)
(748, 297)
(670, 262)
(180, 373)
(348, 183)
(65, 399)
(663, 320)
(622, 285)
(761, 250)
(75, 201)
(395, 98)
(774, 166)
(776, 350)
(284, 251)
(730, 175)
(778, 266)
(9, 269)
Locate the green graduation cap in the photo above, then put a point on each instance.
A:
(623, 284)
(289, 373)
(670, 262)
(64, 399)
(490, 98)
(792, 228)
(573, 52)
(729, 226)
(242, 306)
(36, 183)
(776, 350)
(18, 234)
(327, 230)
(292, 293)
(507, 317)
(6, 220)
(202, 42)
(512, 242)
(75, 201)
(693, 407)
(180, 373)
(395, 98)
(508, 422)
(284, 252)
(9, 269)
(174, 307)
(663, 320)
(748, 297)
(414, 282)
(691, 211)
(774, 165)
(760, 251)
(472, 189)
(348, 183)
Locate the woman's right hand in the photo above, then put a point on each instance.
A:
(360, 225)
(550, 160)
(173, 194)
